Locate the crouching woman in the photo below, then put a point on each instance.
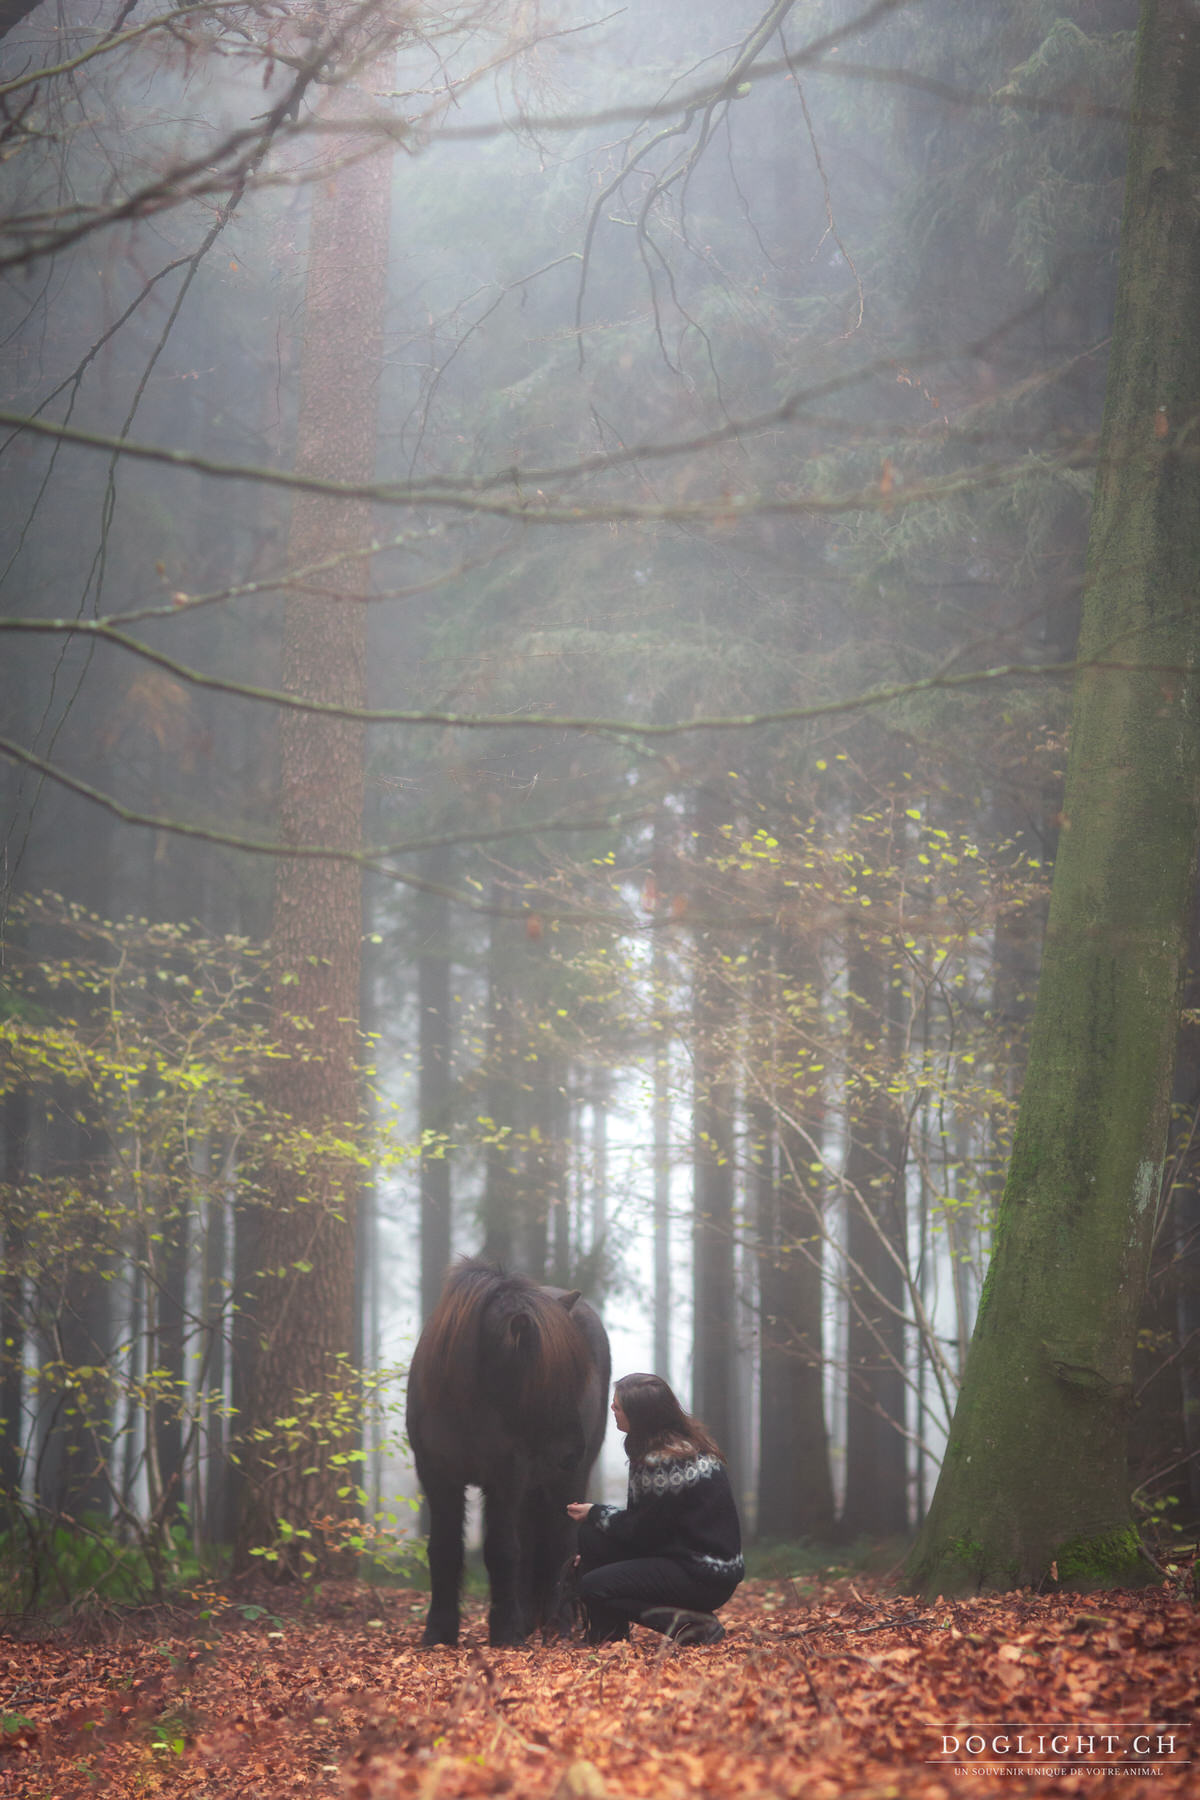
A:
(673, 1554)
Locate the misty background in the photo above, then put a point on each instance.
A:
(723, 448)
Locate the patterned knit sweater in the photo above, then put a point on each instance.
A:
(680, 1506)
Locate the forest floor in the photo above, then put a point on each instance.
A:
(832, 1688)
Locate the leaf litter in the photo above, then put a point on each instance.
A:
(844, 1689)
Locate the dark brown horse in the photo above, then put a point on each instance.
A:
(507, 1392)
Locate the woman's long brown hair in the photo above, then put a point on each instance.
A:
(657, 1422)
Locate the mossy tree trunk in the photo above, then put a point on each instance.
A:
(1163, 1467)
(1034, 1484)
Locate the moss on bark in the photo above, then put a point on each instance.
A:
(1113, 1560)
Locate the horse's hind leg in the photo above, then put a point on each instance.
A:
(446, 1502)
(502, 1554)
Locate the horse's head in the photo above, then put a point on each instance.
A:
(562, 1448)
(536, 1362)
(526, 1328)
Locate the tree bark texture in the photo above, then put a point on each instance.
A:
(304, 1305)
(1034, 1484)
(1164, 1431)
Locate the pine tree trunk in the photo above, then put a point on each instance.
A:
(800, 1298)
(712, 1229)
(662, 1165)
(434, 1083)
(169, 1263)
(1034, 1482)
(795, 1485)
(74, 1400)
(218, 1513)
(561, 1248)
(875, 1503)
(601, 1098)
(662, 866)
(501, 1096)
(15, 1126)
(304, 1308)
(546, 1168)
(713, 1282)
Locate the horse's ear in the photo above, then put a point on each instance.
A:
(568, 1300)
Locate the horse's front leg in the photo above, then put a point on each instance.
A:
(507, 1620)
(445, 1501)
(549, 1543)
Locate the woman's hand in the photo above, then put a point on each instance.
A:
(579, 1509)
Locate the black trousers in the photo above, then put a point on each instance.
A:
(616, 1591)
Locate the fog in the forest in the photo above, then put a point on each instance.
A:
(770, 401)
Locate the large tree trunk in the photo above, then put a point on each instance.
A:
(1163, 1471)
(304, 1307)
(1034, 1482)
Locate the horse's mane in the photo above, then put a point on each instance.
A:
(478, 1294)
(451, 1334)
